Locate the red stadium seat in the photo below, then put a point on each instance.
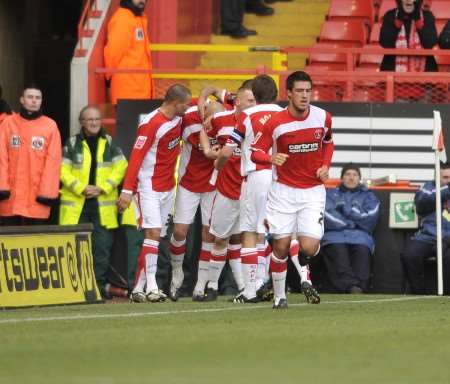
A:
(443, 63)
(441, 9)
(386, 5)
(362, 10)
(375, 34)
(330, 61)
(351, 31)
(322, 92)
(370, 61)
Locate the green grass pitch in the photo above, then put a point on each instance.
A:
(345, 339)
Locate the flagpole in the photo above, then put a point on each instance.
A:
(440, 281)
(437, 130)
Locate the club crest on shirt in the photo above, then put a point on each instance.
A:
(15, 141)
(318, 134)
(37, 143)
(139, 34)
(140, 142)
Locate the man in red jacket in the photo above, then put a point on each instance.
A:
(30, 160)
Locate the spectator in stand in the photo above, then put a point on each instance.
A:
(408, 26)
(5, 109)
(93, 167)
(128, 46)
(232, 16)
(423, 244)
(351, 215)
(444, 37)
(30, 161)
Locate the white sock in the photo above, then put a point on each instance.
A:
(177, 250)
(151, 264)
(249, 260)
(261, 269)
(279, 272)
(216, 264)
(203, 268)
(234, 258)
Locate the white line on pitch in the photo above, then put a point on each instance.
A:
(201, 310)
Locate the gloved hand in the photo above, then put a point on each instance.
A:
(4, 195)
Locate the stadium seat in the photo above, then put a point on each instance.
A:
(370, 61)
(351, 31)
(385, 6)
(329, 61)
(443, 63)
(441, 9)
(375, 34)
(328, 92)
(361, 10)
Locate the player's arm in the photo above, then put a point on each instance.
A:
(144, 141)
(219, 93)
(224, 154)
(261, 146)
(328, 149)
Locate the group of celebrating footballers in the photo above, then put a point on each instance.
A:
(253, 167)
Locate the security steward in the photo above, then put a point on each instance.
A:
(92, 168)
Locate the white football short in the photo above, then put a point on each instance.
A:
(154, 209)
(224, 217)
(296, 210)
(187, 202)
(254, 200)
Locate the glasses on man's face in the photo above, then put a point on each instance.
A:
(92, 120)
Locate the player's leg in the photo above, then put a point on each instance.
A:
(185, 208)
(234, 259)
(224, 216)
(206, 203)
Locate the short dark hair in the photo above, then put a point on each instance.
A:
(177, 92)
(247, 85)
(297, 76)
(350, 166)
(445, 165)
(31, 86)
(264, 89)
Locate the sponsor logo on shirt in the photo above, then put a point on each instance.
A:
(140, 142)
(139, 34)
(173, 143)
(15, 141)
(37, 143)
(302, 148)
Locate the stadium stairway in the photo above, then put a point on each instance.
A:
(295, 23)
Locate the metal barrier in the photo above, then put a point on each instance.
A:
(352, 83)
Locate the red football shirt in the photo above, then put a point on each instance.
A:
(307, 141)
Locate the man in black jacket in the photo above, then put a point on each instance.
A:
(408, 26)
(444, 37)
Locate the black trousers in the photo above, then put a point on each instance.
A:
(413, 259)
(347, 265)
(232, 14)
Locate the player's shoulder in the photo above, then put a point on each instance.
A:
(224, 117)
(316, 111)
(191, 117)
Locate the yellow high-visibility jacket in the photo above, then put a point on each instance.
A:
(76, 164)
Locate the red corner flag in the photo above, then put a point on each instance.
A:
(438, 137)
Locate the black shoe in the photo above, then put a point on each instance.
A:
(249, 32)
(280, 304)
(106, 295)
(210, 294)
(265, 292)
(242, 299)
(174, 293)
(260, 10)
(237, 34)
(198, 297)
(311, 294)
(356, 290)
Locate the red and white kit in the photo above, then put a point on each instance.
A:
(151, 169)
(296, 200)
(194, 172)
(225, 211)
(256, 186)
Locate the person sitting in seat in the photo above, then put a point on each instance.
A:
(351, 214)
(408, 26)
(423, 244)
